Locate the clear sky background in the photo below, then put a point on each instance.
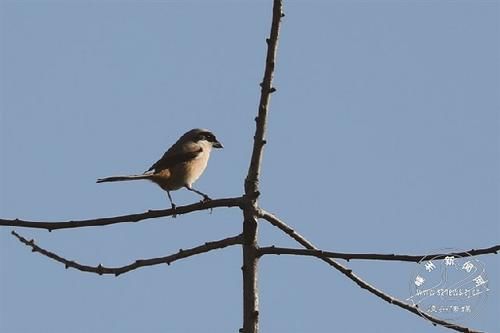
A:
(383, 137)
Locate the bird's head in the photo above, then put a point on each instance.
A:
(200, 135)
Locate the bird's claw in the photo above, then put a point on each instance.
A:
(206, 199)
(174, 215)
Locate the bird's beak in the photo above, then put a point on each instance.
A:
(217, 144)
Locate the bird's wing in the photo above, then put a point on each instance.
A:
(173, 157)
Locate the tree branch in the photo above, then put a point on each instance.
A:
(374, 256)
(225, 202)
(250, 218)
(99, 269)
(252, 179)
(360, 282)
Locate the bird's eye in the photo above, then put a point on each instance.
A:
(206, 136)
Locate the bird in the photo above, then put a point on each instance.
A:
(180, 166)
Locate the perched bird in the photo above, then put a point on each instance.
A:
(181, 165)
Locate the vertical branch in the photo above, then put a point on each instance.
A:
(249, 270)
(250, 255)
(252, 179)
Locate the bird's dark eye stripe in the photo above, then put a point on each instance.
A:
(206, 136)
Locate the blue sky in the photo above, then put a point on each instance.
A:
(383, 137)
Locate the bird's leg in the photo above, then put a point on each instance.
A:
(172, 203)
(205, 197)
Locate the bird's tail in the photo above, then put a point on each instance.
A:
(123, 178)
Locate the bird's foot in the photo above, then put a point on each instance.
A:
(174, 215)
(206, 199)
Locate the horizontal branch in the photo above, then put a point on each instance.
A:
(356, 279)
(225, 202)
(99, 269)
(374, 256)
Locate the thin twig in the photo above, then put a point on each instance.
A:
(225, 202)
(374, 256)
(99, 269)
(250, 218)
(360, 282)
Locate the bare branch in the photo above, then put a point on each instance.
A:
(250, 258)
(225, 202)
(99, 269)
(252, 179)
(360, 282)
(374, 256)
